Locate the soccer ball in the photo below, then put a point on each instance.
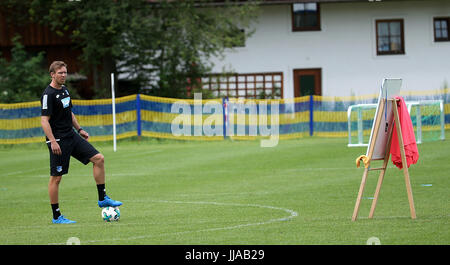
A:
(111, 214)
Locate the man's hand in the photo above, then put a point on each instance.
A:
(48, 132)
(84, 134)
(55, 148)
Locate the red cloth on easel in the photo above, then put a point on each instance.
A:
(409, 140)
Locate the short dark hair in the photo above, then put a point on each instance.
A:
(56, 65)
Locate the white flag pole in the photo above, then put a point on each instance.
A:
(113, 111)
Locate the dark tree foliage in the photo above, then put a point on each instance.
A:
(164, 47)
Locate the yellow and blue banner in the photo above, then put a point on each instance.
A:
(201, 119)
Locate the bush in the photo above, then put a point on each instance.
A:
(23, 78)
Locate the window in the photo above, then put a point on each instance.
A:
(441, 29)
(390, 38)
(305, 16)
(250, 85)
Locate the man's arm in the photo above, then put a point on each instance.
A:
(48, 132)
(77, 127)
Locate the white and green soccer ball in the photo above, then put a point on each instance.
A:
(111, 214)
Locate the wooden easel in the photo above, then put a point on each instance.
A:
(382, 169)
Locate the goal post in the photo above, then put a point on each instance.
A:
(357, 115)
(428, 118)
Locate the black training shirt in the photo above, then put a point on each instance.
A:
(56, 103)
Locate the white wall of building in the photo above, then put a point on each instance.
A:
(345, 48)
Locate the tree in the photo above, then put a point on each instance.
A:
(184, 36)
(95, 26)
(165, 46)
(22, 78)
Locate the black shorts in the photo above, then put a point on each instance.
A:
(74, 146)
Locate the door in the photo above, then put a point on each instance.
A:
(307, 82)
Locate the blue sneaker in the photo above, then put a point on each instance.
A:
(62, 220)
(108, 202)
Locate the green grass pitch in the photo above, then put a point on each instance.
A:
(302, 191)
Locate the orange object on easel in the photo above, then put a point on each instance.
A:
(374, 141)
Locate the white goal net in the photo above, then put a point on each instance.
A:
(427, 117)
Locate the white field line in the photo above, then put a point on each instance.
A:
(291, 213)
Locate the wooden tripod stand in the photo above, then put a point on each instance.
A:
(382, 169)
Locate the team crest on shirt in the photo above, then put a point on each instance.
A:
(59, 168)
(65, 102)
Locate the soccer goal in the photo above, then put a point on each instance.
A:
(427, 117)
